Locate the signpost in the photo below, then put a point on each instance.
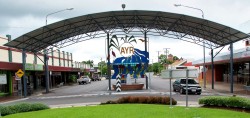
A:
(179, 73)
(118, 84)
(18, 77)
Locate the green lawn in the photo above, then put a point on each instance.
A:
(131, 111)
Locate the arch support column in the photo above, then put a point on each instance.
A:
(231, 68)
(146, 50)
(212, 67)
(108, 64)
(46, 69)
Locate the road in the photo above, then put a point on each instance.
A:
(97, 91)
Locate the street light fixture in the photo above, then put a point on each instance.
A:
(204, 75)
(46, 53)
(57, 12)
(179, 5)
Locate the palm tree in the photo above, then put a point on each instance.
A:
(90, 62)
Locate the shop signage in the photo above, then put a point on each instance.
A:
(3, 79)
(29, 66)
(38, 67)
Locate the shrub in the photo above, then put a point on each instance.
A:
(143, 100)
(23, 107)
(38, 106)
(227, 101)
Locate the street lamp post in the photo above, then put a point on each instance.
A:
(204, 75)
(57, 12)
(46, 57)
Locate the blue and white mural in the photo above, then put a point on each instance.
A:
(127, 58)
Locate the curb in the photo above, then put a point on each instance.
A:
(22, 99)
(74, 105)
(190, 104)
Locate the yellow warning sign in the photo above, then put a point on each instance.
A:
(19, 73)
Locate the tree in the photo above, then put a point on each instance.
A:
(164, 60)
(90, 62)
(157, 67)
(175, 58)
(102, 66)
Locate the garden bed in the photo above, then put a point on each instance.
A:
(126, 87)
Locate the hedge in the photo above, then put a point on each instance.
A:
(143, 100)
(22, 107)
(227, 101)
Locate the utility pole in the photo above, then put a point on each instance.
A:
(101, 67)
(166, 55)
(158, 56)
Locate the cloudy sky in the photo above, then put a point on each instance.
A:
(22, 16)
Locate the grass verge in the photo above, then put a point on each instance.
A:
(130, 111)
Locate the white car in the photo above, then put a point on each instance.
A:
(84, 80)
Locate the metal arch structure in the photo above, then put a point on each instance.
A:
(140, 23)
(156, 23)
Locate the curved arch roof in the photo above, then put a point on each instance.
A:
(162, 23)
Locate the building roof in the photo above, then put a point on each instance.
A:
(240, 55)
(156, 23)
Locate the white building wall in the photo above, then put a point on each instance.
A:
(4, 55)
(61, 55)
(70, 64)
(61, 62)
(39, 61)
(16, 57)
(56, 53)
(29, 58)
(66, 63)
(56, 62)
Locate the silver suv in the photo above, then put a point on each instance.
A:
(84, 80)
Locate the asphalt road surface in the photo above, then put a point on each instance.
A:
(97, 91)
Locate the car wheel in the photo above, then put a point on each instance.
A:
(174, 90)
(198, 93)
(79, 83)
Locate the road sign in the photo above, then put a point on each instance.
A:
(118, 83)
(19, 73)
(17, 78)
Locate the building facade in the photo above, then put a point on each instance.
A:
(61, 67)
(241, 65)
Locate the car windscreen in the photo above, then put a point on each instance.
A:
(190, 81)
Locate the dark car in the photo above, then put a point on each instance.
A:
(193, 86)
(96, 78)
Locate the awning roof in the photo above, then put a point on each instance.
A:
(156, 23)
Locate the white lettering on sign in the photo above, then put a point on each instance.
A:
(126, 50)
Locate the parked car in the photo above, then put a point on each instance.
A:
(84, 80)
(96, 78)
(193, 86)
